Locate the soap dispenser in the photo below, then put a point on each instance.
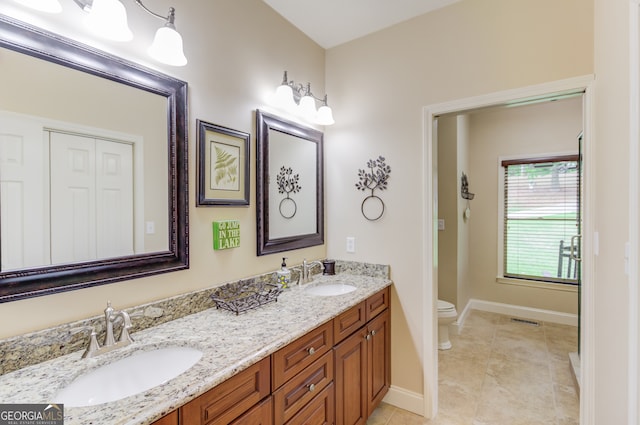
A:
(284, 274)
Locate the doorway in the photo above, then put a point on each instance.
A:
(529, 95)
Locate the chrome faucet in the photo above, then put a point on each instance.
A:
(109, 344)
(306, 270)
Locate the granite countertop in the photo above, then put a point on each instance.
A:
(230, 343)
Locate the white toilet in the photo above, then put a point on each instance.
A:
(447, 314)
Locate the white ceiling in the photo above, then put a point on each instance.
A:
(333, 22)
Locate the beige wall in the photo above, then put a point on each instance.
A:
(378, 86)
(540, 129)
(237, 52)
(611, 134)
(465, 273)
(448, 262)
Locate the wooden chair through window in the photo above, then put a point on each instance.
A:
(567, 267)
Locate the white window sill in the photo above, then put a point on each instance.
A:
(537, 284)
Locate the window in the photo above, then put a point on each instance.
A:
(541, 217)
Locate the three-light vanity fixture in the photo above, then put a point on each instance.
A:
(298, 100)
(108, 19)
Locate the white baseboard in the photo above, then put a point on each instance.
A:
(405, 399)
(519, 311)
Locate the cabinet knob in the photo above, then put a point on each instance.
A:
(312, 387)
(373, 332)
(311, 351)
(367, 337)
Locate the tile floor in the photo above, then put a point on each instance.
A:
(501, 373)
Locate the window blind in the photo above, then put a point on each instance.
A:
(541, 215)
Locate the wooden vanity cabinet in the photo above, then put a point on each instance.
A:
(336, 374)
(362, 363)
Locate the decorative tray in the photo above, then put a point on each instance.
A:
(241, 296)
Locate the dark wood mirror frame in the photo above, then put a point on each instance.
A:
(267, 245)
(14, 285)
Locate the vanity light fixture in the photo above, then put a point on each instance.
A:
(298, 99)
(108, 19)
(49, 6)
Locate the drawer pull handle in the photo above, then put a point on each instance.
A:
(312, 388)
(311, 351)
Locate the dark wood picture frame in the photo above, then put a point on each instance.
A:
(32, 282)
(267, 244)
(234, 144)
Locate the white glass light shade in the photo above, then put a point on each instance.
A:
(49, 6)
(167, 47)
(308, 107)
(284, 98)
(108, 19)
(325, 116)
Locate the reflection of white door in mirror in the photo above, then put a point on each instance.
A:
(23, 200)
(72, 202)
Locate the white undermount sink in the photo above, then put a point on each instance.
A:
(330, 289)
(131, 375)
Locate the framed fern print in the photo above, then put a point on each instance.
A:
(223, 166)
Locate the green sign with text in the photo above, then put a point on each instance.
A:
(226, 234)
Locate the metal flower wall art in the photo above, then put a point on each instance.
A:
(376, 177)
(288, 184)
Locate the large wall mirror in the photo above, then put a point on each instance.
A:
(93, 166)
(290, 189)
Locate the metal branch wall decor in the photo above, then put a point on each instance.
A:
(464, 188)
(375, 178)
(288, 184)
(464, 192)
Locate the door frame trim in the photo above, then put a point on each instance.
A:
(430, 293)
(634, 209)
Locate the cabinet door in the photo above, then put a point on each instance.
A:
(260, 414)
(378, 360)
(351, 379)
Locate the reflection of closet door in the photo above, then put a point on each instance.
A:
(91, 198)
(73, 198)
(114, 198)
(23, 196)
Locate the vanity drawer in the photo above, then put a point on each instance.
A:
(230, 399)
(377, 303)
(297, 392)
(290, 360)
(349, 322)
(321, 410)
